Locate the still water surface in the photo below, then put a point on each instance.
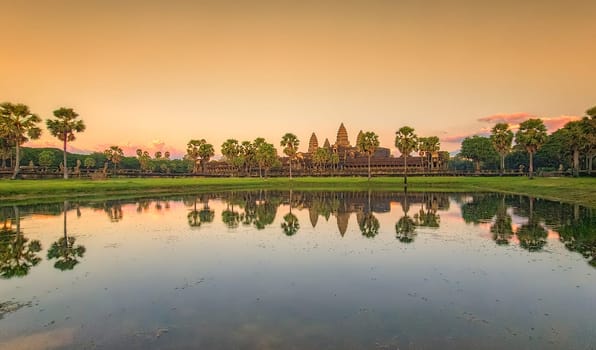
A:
(299, 270)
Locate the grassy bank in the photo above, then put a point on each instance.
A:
(582, 190)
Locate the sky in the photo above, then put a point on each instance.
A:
(155, 74)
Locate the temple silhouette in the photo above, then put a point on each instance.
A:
(351, 160)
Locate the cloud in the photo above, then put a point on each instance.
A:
(514, 119)
(458, 138)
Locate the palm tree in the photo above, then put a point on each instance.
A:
(290, 143)
(265, 155)
(577, 136)
(531, 135)
(64, 250)
(64, 127)
(206, 151)
(428, 146)
(501, 138)
(321, 158)
(368, 143)
(114, 154)
(18, 124)
(232, 151)
(406, 142)
(192, 153)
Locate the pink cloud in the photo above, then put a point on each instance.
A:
(514, 119)
(458, 138)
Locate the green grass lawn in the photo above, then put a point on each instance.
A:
(580, 190)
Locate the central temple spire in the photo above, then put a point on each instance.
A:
(342, 137)
(313, 144)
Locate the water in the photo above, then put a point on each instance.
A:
(299, 270)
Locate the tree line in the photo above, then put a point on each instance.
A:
(556, 151)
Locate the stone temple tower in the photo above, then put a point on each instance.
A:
(313, 144)
(342, 137)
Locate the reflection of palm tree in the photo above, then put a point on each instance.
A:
(532, 236)
(405, 228)
(427, 216)
(481, 209)
(369, 225)
(17, 253)
(230, 217)
(206, 215)
(193, 218)
(501, 228)
(64, 249)
(114, 211)
(264, 212)
(290, 225)
(579, 235)
(198, 217)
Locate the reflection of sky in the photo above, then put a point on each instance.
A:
(150, 271)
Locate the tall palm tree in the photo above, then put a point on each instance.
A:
(406, 142)
(232, 150)
(290, 144)
(501, 138)
(577, 138)
(368, 143)
(206, 151)
(531, 135)
(18, 124)
(64, 127)
(428, 146)
(192, 153)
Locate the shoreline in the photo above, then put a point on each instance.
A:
(570, 190)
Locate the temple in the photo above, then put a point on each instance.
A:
(349, 158)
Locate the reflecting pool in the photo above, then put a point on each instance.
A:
(299, 270)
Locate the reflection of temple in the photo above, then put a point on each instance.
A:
(350, 158)
(342, 205)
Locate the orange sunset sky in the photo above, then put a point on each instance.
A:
(154, 74)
